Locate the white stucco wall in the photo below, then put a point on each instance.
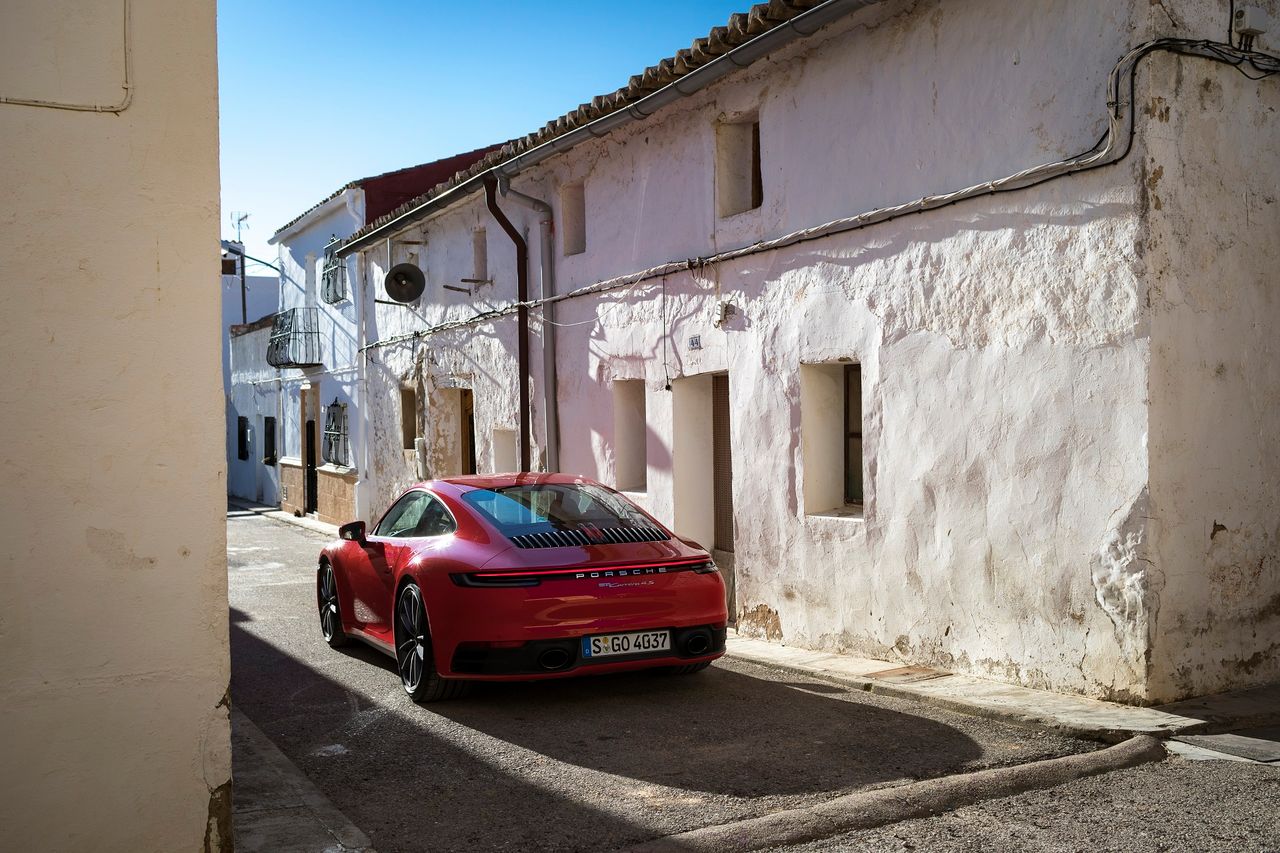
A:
(1005, 343)
(114, 661)
(1211, 246)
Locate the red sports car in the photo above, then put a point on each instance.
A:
(520, 576)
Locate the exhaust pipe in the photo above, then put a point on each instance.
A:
(553, 659)
(698, 643)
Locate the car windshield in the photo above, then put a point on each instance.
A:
(554, 506)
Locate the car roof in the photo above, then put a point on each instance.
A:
(500, 481)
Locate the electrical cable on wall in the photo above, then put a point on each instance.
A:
(127, 85)
(1112, 147)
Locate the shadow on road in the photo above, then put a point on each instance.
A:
(717, 731)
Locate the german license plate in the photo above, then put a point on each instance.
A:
(636, 643)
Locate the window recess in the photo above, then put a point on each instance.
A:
(831, 438)
(739, 181)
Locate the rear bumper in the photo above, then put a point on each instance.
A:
(562, 657)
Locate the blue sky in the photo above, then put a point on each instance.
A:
(315, 94)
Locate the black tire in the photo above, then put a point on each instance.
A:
(418, 675)
(330, 610)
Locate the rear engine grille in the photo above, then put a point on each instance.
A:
(570, 538)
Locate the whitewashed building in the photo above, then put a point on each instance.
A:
(315, 341)
(949, 326)
(251, 404)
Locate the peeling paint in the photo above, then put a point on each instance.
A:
(760, 621)
(217, 833)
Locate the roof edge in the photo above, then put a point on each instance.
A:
(531, 150)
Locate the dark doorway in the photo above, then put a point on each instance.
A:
(311, 482)
(722, 488)
(468, 425)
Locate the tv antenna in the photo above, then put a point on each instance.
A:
(237, 222)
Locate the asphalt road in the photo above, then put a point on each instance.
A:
(1175, 805)
(581, 764)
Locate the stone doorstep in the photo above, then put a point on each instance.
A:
(276, 514)
(1021, 706)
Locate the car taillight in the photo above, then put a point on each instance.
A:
(706, 568)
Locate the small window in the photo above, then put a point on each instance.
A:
(268, 441)
(739, 184)
(630, 435)
(242, 437)
(831, 437)
(479, 256)
(229, 266)
(409, 417)
(333, 275)
(573, 219)
(336, 447)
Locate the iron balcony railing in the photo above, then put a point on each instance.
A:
(295, 339)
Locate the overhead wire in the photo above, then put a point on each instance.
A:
(1112, 147)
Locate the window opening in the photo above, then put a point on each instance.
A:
(479, 256)
(242, 437)
(409, 417)
(739, 180)
(853, 434)
(333, 275)
(268, 441)
(336, 446)
(630, 434)
(573, 219)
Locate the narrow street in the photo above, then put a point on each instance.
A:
(606, 762)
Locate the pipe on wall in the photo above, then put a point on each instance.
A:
(547, 289)
(522, 315)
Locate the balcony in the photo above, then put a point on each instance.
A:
(295, 339)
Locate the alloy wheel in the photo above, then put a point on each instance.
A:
(411, 639)
(330, 618)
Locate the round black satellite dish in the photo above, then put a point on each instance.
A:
(405, 282)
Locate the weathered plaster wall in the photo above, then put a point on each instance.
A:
(113, 626)
(1004, 343)
(1212, 245)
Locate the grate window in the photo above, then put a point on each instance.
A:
(295, 339)
(333, 275)
(336, 449)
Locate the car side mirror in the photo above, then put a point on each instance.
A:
(352, 531)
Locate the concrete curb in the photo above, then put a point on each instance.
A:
(276, 514)
(870, 809)
(1073, 716)
(276, 808)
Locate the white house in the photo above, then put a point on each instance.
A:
(251, 409)
(948, 326)
(315, 340)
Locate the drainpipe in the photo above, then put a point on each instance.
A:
(522, 314)
(547, 282)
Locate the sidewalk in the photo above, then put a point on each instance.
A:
(1022, 706)
(274, 512)
(275, 807)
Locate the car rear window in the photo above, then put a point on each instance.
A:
(560, 506)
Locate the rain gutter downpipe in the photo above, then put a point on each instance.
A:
(802, 25)
(546, 289)
(522, 314)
